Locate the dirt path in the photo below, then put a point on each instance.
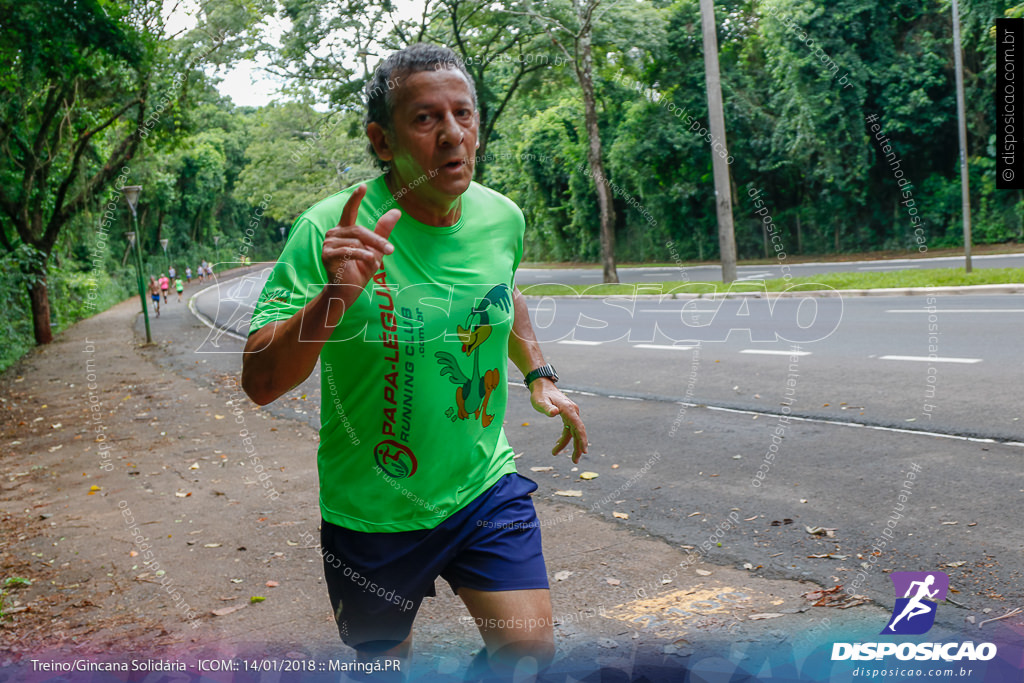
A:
(112, 464)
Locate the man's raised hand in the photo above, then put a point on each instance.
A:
(351, 253)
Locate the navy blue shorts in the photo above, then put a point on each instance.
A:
(378, 580)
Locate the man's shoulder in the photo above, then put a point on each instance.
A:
(493, 201)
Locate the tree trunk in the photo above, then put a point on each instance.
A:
(40, 300)
(799, 236)
(716, 121)
(481, 151)
(604, 195)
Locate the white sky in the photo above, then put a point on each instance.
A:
(248, 83)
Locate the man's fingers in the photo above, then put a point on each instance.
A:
(351, 210)
(385, 224)
(562, 441)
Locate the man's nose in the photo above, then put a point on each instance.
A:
(451, 132)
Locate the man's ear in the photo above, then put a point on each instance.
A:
(379, 139)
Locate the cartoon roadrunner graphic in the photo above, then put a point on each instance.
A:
(474, 390)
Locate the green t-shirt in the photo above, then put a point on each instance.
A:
(413, 379)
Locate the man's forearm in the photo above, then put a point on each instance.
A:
(523, 347)
(281, 355)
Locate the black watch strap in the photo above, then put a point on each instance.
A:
(543, 371)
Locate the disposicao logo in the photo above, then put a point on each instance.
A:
(917, 597)
(914, 613)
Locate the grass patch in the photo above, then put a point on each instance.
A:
(941, 277)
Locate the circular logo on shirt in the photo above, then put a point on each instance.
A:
(395, 459)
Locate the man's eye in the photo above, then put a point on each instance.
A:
(423, 118)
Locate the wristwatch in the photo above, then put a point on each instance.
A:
(543, 371)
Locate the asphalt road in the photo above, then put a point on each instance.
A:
(691, 419)
(592, 276)
(938, 364)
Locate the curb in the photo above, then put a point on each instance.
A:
(819, 293)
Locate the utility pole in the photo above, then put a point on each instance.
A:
(965, 188)
(716, 120)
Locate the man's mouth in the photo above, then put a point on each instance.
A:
(454, 164)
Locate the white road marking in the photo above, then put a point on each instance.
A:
(819, 420)
(887, 267)
(770, 352)
(956, 310)
(579, 342)
(926, 359)
(678, 311)
(663, 346)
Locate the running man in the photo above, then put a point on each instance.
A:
(916, 605)
(154, 293)
(188, 274)
(417, 478)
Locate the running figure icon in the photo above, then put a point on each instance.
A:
(920, 600)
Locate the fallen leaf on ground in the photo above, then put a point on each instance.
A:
(620, 515)
(562, 575)
(607, 643)
(832, 597)
(702, 572)
(224, 611)
(570, 493)
(219, 417)
(211, 545)
(272, 584)
(613, 582)
(589, 475)
(957, 564)
(546, 468)
(765, 615)
(256, 598)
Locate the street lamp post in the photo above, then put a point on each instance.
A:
(216, 246)
(163, 243)
(131, 193)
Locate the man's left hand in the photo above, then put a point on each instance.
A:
(548, 399)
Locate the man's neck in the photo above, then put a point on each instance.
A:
(439, 215)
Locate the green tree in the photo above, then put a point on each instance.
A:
(71, 101)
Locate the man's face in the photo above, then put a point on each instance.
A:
(434, 137)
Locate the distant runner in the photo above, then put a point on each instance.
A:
(154, 293)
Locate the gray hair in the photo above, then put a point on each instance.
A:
(407, 61)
